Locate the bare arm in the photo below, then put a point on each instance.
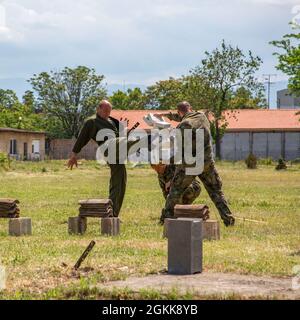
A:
(83, 138)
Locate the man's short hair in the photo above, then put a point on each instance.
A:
(184, 106)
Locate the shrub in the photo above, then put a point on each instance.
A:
(4, 161)
(251, 161)
(281, 164)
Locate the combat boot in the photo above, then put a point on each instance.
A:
(229, 221)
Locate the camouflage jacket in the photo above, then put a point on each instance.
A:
(194, 121)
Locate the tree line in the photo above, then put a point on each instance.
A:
(60, 101)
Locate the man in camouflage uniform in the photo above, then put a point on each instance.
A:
(165, 174)
(103, 120)
(209, 177)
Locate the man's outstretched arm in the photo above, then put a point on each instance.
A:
(83, 138)
(170, 115)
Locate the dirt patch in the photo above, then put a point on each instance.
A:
(220, 284)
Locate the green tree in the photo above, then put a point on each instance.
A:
(28, 99)
(289, 59)
(244, 98)
(221, 72)
(198, 92)
(69, 96)
(20, 116)
(136, 99)
(165, 94)
(53, 127)
(8, 98)
(132, 99)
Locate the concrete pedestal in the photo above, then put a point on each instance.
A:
(210, 229)
(110, 226)
(184, 246)
(77, 225)
(19, 227)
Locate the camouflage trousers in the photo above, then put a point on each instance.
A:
(191, 193)
(213, 185)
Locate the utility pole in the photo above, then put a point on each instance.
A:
(269, 83)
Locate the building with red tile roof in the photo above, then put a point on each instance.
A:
(266, 133)
(238, 120)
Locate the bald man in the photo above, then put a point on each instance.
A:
(103, 120)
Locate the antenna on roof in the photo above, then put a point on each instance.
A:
(269, 83)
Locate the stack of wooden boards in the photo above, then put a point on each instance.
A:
(192, 211)
(95, 208)
(9, 208)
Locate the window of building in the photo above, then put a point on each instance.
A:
(13, 146)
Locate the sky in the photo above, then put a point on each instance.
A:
(135, 41)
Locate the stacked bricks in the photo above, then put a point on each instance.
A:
(9, 208)
(17, 226)
(95, 208)
(199, 211)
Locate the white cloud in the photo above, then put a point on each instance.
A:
(89, 18)
(6, 33)
(140, 40)
(2, 16)
(275, 2)
(172, 10)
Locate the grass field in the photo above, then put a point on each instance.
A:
(39, 266)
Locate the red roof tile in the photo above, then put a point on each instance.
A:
(239, 120)
(21, 130)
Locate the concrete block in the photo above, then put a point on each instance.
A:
(110, 226)
(19, 227)
(77, 225)
(184, 246)
(211, 230)
(165, 228)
